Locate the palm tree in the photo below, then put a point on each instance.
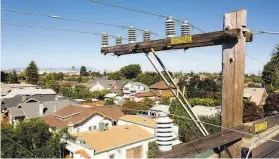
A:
(275, 54)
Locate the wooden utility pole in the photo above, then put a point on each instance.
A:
(233, 66)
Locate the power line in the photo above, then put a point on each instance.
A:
(71, 19)
(18, 145)
(140, 11)
(57, 29)
(205, 123)
(263, 32)
(255, 59)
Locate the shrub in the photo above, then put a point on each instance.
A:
(251, 112)
(135, 106)
(165, 100)
(272, 103)
(109, 101)
(152, 149)
(202, 101)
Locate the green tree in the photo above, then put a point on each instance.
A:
(33, 135)
(4, 76)
(148, 78)
(83, 71)
(31, 73)
(131, 71)
(59, 76)
(152, 149)
(13, 77)
(109, 101)
(148, 102)
(132, 108)
(115, 76)
(270, 72)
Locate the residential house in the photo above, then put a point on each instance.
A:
(201, 110)
(81, 119)
(125, 141)
(131, 88)
(157, 109)
(100, 85)
(163, 89)
(35, 110)
(152, 94)
(256, 95)
(27, 91)
(147, 123)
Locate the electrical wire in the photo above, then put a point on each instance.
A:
(263, 32)
(57, 29)
(71, 19)
(255, 59)
(18, 145)
(249, 134)
(140, 11)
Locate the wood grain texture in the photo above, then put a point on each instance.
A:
(198, 40)
(216, 140)
(233, 65)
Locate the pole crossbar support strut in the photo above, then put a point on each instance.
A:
(188, 107)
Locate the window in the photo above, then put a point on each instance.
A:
(106, 124)
(77, 130)
(90, 128)
(94, 127)
(111, 156)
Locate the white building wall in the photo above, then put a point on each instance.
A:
(96, 87)
(94, 120)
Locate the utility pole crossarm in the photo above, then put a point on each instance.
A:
(182, 42)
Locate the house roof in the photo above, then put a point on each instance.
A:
(31, 110)
(18, 99)
(161, 108)
(79, 114)
(5, 89)
(28, 91)
(121, 83)
(105, 83)
(255, 94)
(161, 85)
(140, 120)
(150, 93)
(114, 137)
(146, 88)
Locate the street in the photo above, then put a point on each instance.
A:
(270, 149)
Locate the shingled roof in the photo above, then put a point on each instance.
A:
(160, 85)
(79, 114)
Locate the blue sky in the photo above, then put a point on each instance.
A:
(52, 49)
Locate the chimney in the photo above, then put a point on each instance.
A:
(70, 127)
(55, 107)
(41, 108)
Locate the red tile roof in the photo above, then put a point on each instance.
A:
(160, 85)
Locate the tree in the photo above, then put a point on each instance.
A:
(109, 101)
(152, 149)
(270, 72)
(135, 106)
(4, 76)
(251, 112)
(148, 78)
(165, 100)
(131, 71)
(272, 103)
(115, 76)
(96, 74)
(33, 135)
(13, 77)
(60, 76)
(73, 68)
(148, 102)
(31, 73)
(83, 71)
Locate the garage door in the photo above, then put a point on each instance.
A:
(134, 152)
